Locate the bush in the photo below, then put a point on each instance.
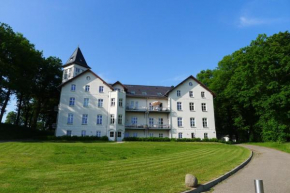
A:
(77, 138)
(146, 139)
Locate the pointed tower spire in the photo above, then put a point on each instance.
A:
(77, 58)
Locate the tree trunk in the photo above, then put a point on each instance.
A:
(36, 114)
(7, 98)
(19, 109)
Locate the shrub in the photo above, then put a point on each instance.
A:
(146, 139)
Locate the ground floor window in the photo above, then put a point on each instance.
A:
(180, 135)
(119, 134)
(205, 135)
(134, 134)
(127, 134)
(161, 135)
(83, 133)
(192, 135)
(68, 132)
(98, 133)
(150, 134)
(111, 134)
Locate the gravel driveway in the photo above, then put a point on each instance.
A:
(271, 166)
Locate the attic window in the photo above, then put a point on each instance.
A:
(190, 83)
(159, 94)
(88, 78)
(71, 58)
(144, 93)
(132, 92)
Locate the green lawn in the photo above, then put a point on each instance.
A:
(280, 146)
(112, 167)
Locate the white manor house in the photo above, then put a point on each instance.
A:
(91, 107)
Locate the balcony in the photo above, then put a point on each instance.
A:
(149, 127)
(146, 109)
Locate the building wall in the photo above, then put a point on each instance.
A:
(146, 133)
(186, 114)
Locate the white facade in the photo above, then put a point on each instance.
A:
(91, 107)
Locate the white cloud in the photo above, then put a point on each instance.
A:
(245, 21)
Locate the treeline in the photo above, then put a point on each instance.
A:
(253, 90)
(26, 74)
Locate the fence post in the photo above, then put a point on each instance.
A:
(259, 186)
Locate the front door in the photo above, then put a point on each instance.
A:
(119, 136)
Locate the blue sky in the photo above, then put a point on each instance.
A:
(147, 42)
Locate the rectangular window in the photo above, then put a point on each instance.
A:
(204, 122)
(70, 118)
(127, 134)
(179, 121)
(100, 102)
(68, 132)
(136, 104)
(150, 107)
(113, 102)
(98, 134)
(191, 106)
(178, 93)
(86, 102)
(99, 119)
(151, 122)
(120, 119)
(83, 133)
(192, 122)
(179, 106)
(205, 135)
(72, 101)
(112, 120)
(119, 134)
(134, 120)
(85, 119)
(120, 102)
(151, 135)
(203, 107)
(202, 94)
(87, 88)
(160, 122)
(180, 135)
(191, 94)
(192, 135)
(131, 104)
(69, 72)
(111, 134)
(101, 89)
(77, 71)
(65, 74)
(135, 135)
(73, 87)
(161, 135)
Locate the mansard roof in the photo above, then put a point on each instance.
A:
(77, 58)
(88, 70)
(146, 91)
(191, 77)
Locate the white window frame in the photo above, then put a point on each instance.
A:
(112, 132)
(191, 95)
(203, 107)
(113, 102)
(202, 94)
(119, 134)
(178, 93)
(99, 119)
(179, 121)
(190, 84)
(179, 106)
(180, 135)
(98, 133)
(88, 78)
(83, 134)
(160, 135)
(87, 88)
(112, 119)
(204, 122)
(192, 122)
(151, 134)
(120, 119)
(120, 102)
(101, 89)
(191, 106)
(151, 121)
(73, 87)
(205, 135)
(65, 74)
(68, 132)
(85, 119)
(150, 107)
(134, 120)
(100, 103)
(72, 101)
(86, 102)
(70, 119)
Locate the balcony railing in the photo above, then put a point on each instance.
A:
(148, 126)
(151, 109)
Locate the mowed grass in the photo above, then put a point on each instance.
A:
(279, 146)
(112, 167)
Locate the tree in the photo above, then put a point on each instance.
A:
(11, 117)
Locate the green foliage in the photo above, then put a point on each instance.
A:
(279, 146)
(253, 90)
(146, 139)
(77, 138)
(11, 117)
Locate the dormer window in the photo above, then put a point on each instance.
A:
(78, 71)
(190, 83)
(159, 94)
(132, 92)
(88, 78)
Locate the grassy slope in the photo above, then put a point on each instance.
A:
(280, 146)
(111, 167)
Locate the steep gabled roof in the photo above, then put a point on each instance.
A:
(88, 70)
(118, 82)
(77, 58)
(191, 77)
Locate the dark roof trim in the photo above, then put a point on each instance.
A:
(118, 82)
(145, 96)
(192, 77)
(88, 70)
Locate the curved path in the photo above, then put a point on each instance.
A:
(270, 165)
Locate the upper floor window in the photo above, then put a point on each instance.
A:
(190, 83)
(151, 122)
(159, 94)
(70, 118)
(117, 89)
(85, 119)
(134, 120)
(203, 107)
(178, 93)
(180, 135)
(71, 101)
(192, 122)
(120, 102)
(101, 89)
(150, 107)
(191, 94)
(120, 119)
(144, 93)
(87, 88)
(73, 87)
(86, 102)
(204, 122)
(99, 119)
(179, 121)
(100, 102)
(112, 120)
(88, 78)
(69, 73)
(132, 92)
(113, 102)
(202, 94)
(65, 74)
(78, 71)
(191, 106)
(179, 106)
